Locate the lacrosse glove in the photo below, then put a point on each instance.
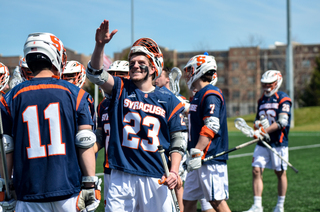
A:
(89, 198)
(194, 160)
(261, 134)
(9, 205)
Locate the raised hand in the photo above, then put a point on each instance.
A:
(102, 33)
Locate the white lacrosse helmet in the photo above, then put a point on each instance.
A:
(25, 72)
(119, 68)
(271, 81)
(49, 45)
(151, 49)
(198, 66)
(4, 76)
(74, 71)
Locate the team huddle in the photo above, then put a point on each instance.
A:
(51, 133)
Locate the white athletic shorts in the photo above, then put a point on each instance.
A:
(67, 205)
(209, 182)
(265, 158)
(205, 205)
(106, 180)
(128, 192)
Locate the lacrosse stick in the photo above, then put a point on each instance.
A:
(231, 150)
(174, 78)
(166, 169)
(184, 165)
(241, 125)
(4, 161)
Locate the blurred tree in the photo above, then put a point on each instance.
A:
(311, 95)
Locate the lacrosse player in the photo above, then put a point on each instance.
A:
(119, 68)
(49, 135)
(75, 73)
(166, 79)
(208, 135)
(142, 118)
(275, 106)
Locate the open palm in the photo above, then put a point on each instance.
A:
(102, 34)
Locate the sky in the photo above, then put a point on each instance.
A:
(182, 25)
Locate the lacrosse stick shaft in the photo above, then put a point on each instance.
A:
(231, 150)
(287, 162)
(166, 169)
(4, 161)
(242, 125)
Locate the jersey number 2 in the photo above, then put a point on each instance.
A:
(35, 149)
(133, 130)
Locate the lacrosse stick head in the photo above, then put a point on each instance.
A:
(174, 79)
(241, 125)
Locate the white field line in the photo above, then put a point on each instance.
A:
(290, 148)
(250, 154)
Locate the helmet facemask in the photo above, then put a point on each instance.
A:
(151, 50)
(271, 81)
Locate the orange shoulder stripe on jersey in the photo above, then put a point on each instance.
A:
(285, 99)
(80, 95)
(260, 98)
(214, 92)
(90, 100)
(3, 93)
(3, 101)
(205, 151)
(276, 95)
(180, 105)
(121, 87)
(39, 87)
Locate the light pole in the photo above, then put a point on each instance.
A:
(289, 63)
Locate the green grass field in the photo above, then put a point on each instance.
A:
(303, 192)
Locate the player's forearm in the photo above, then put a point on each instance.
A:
(202, 142)
(9, 160)
(97, 56)
(87, 161)
(272, 128)
(175, 161)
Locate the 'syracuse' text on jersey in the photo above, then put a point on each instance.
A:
(271, 107)
(42, 115)
(209, 101)
(140, 122)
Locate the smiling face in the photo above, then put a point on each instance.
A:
(140, 68)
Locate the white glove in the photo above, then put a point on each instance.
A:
(261, 134)
(194, 160)
(264, 122)
(89, 198)
(8, 206)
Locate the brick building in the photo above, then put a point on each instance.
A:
(240, 70)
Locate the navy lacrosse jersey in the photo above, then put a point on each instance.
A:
(92, 111)
(209, 102)
(104, 123)
(140, 122)
(271, 107)
(42, 115)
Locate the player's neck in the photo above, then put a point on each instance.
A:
(44, 73)
(145, 85)
(199, 84)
